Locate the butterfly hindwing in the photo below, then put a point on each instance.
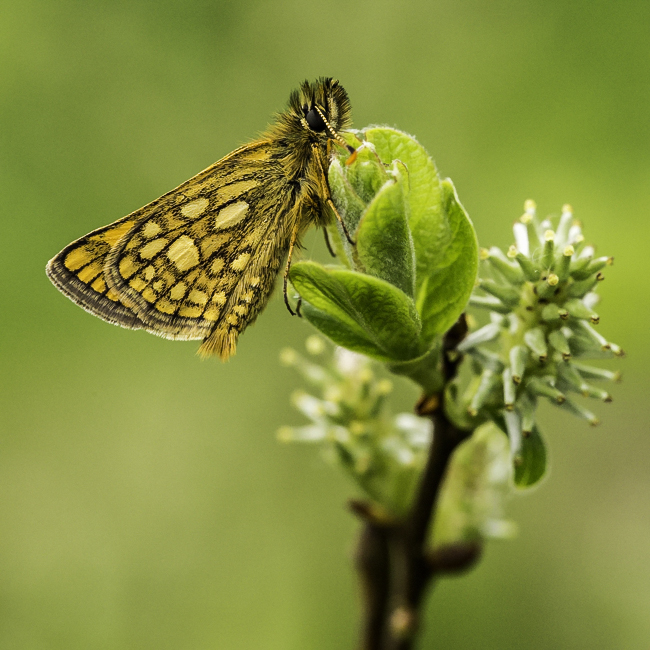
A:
(78, 271)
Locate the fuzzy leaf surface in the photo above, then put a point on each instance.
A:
(444, 294)
(384, 242)
(360, 312)
(444, 240)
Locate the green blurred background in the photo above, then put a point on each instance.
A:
(144, 500)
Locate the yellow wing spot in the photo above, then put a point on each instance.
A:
(169, 278)
(149, 295)
(99, 285)
(198, 297)
(112, 236)
(158, 285)
(183, 253)
(255, 281)
(230, 192)
(195, 208)
(211, 313)
(178, 291)
(152, 248)
(190, 312)
(194, 189)
(240, 310)
(165, 306)
(169, 221)
(254, 236)
(232, 319)
(113, 295)
(127, 267)
(138, 284)
(248, 296)
(230, 215)
(258, 154)
(216, 266)
(90, 272)
(151, 229)
(77, 258)
(219, 298)
(240, 262)
(149, 273)
(212, 244)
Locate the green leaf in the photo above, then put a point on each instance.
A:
(530, 462)
(446, 249)
(359, 312)
(367, 173)
(384, 243)
(443, 295)
(475, 489)
(425, 370)
(425, 194)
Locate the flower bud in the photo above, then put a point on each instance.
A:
(489, 381)
(509, 271)
(507, 295)
(519, 356)
(531, 272)
(560, 342)
(580, 288)
(578, 309)
(535, 339)
(487, 333)
(509, 390)
(543, 386)
(548, 253)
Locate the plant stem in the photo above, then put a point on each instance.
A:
(394, 563)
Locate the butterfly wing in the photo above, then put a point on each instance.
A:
(197, 263)
(78, 272)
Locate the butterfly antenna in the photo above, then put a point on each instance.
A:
(333, 134)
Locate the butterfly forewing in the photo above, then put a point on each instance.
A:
(203, 255)
(199, 260)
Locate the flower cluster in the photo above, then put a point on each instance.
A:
(541, 298)
(350, 419)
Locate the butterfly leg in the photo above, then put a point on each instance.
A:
(326, 192)
(328, 243)
(294, 237)
(340, 220)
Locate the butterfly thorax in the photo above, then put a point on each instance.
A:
(316, 114)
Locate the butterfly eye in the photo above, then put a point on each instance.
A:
(315, 121)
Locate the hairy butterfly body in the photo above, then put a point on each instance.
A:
(200, 262)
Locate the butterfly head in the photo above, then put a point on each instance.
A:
(320, 109)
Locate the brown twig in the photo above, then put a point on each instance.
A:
(394, 564)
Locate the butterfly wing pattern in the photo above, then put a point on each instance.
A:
(197, 263)
(200, 262)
